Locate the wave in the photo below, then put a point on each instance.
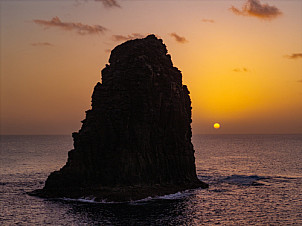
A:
(175, 196)
(89, 200)
(178, 195)
(244, 180)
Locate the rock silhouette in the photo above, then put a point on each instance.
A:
(135, 141)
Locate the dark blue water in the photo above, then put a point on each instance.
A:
(254, 179)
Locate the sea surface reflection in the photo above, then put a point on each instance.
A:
(253, 180)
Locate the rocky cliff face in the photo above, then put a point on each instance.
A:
(136, 140)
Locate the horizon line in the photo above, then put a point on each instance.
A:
(192, 135)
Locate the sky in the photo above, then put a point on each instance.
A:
(241, 60)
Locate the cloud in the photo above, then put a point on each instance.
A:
(109, 3)
(256, 9)
(244, 69)
(47, 44)
(128, 37)
(82, 29)
(294, 56)
(300, 81)
(178, 38)
(208, 21)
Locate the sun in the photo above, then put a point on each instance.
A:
(216, 125)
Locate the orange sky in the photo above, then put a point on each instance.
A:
(242, 60)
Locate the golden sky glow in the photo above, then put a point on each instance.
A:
(241, 60)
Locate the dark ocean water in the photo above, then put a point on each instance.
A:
(254, 180)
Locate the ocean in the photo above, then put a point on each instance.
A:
(253, 179)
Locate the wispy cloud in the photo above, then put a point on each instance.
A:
(244, 69)
(82, 29)
(294, 56)
(178, 38)
(256, 9)
(128, 37)
(109, 3)
(208, 21)
(47, 44)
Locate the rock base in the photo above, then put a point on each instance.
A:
(118, 194)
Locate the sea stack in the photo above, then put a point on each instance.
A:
(135, 141)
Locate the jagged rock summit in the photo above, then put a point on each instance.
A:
(136, 140)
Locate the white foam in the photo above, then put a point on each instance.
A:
(88, 200)
(178, 195)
